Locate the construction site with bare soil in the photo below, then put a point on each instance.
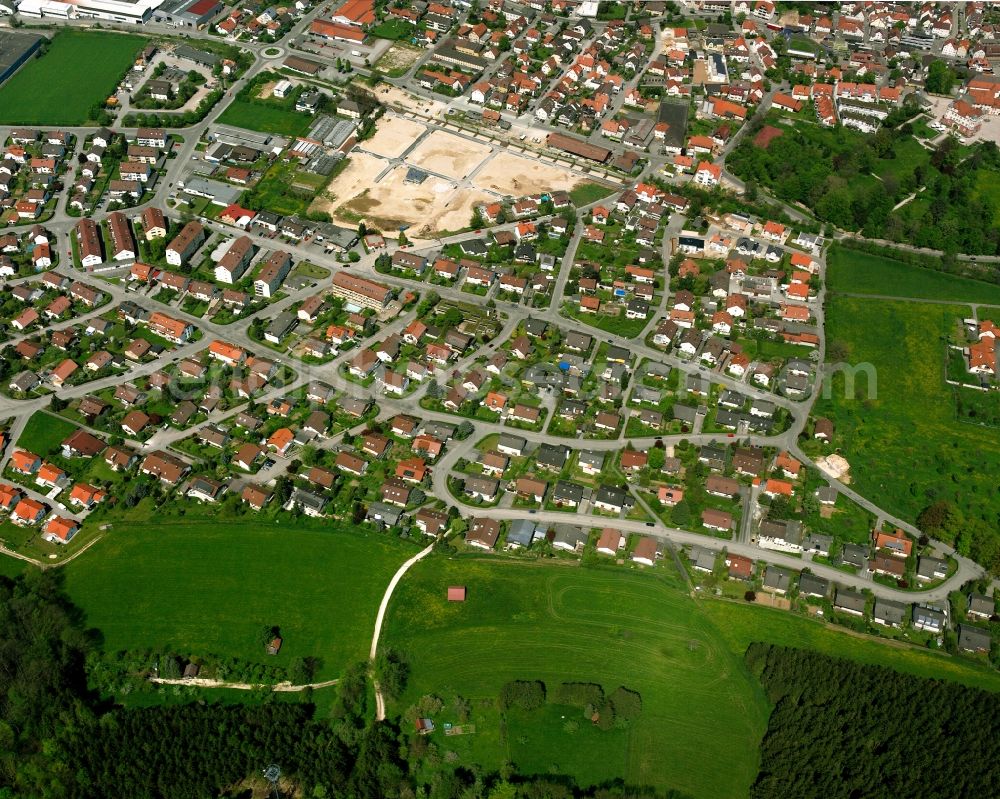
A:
(418, 177)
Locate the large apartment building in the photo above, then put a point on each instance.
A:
(122, 243)
(185, 244)
(357, 290)
(235, 262)
(272, 274)
(88, 238)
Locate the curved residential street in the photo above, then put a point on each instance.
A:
(508, 314)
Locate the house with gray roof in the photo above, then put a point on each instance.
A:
(928, 619)
(981, 606)
(511, 445)
(812, 585)
(854, 555)
(440, 430)
(685, 413)
(818, 544)
(552, 456)
(310, 504)
(929, 569)
(384, 514)
(611, 498)
(578, 342)
(849, 602)
(888, 613)
(568, 538)
(974, 639)
(762, 408)
(482, 488)
(522, 532)
(567, 493)
(777, 580)
(591, 461)
(703, 559)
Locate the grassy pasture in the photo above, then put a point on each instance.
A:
(266, 118)
(44, 91)
(856, 272)
(702, 716)
(905, 444)
(209, 586)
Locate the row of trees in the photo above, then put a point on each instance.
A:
(607, 711)
(844, 729)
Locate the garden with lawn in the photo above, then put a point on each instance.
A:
(41, 94)
(255, 109)
(587, 193)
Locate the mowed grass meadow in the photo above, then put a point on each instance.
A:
(209, 587)
(44, 433)
(702, 715)
(905, 444)
(81, 68)
(854, 272)
(265, 118)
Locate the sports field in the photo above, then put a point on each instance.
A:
(702, 715)
(855, 272)
(80, 69)
(209, 587)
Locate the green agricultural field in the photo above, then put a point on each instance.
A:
(905, 446)
(43, 91)
(209, 586)
(265, 118)
(855, 272)
(44, 433)
(702, 715)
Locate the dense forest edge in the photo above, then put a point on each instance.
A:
(845, 729)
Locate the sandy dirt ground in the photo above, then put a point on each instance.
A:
(399, 56)
(427, 209)
(393, 136)
(447, 154)
(392, 96)
(517, 176)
